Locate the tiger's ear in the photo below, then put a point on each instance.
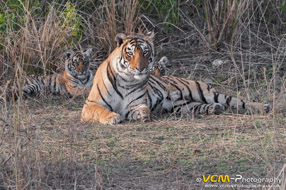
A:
(68, 54)
(150, 36)
(164, 60)
(119, 38)
(88, 52)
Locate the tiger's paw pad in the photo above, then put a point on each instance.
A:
(142, 113)
(216, 109)
(113, 118)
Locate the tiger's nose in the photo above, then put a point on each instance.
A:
(140, 68)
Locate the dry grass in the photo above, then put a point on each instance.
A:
(112, 17)
(223, 18)
(56, 150)
(43, 144)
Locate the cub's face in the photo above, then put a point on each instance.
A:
(137, 55)
(77, 63)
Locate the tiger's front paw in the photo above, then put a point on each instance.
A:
(112, 119)
(141, 112)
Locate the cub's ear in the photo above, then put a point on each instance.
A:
(68, 54)
(119, 38)
(88, 52)
(150, 36)
(164, 60)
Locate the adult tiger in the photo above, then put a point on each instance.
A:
(75, 80)
(124, 89)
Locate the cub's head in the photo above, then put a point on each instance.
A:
(77, 63)
(159, 67)
(136, 55)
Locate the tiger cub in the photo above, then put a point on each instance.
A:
(124, 89)
(159, 67)
(74, 81)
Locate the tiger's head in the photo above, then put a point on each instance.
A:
(136, 55)
(77, 63)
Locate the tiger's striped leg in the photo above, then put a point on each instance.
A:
(96, 113)
(31, 90)
(236, 105)
(199, 108)
(201, 92)
(139, 112)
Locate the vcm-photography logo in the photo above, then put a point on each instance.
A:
(236, 179)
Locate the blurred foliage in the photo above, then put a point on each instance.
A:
(71, 12)
(282, 6)
(165, 10)
(71, 21)
(13, 14)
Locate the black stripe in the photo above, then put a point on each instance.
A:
(216, 97)
(106, 88)
(132, 115)
(112, 79)
(158, 82)
(31, 89)
(185, 80)
(122, 78)
(196, 108)
(208, 107)
(127, 114)
(109, 106)
(170, 79)
(139, 87)
(202, 108)
(136, 99)
(228, 100)
(159, 78)
(157, 91)
(37, 87)
(150, 99)
(152, 82)
(158, 101)
(181, 94)
(186, 85)
(202, 97)
(55, 84)
(49, 83)
(243, 104)
(70, 86)
(42, 81)
(74, 80)
(183, 104)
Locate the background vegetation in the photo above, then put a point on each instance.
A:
(44, 146)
